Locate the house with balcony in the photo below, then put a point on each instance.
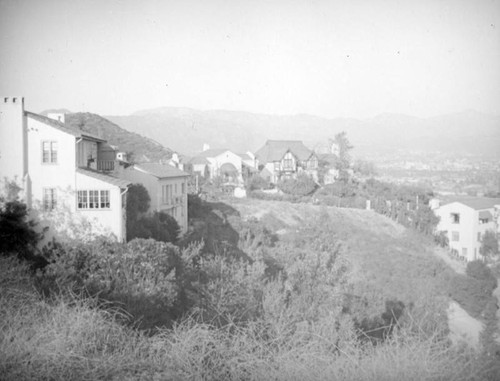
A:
(464, 221)
(62, 173)
(284, 159)
(167, 188)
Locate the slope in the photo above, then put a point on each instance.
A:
(143, 149)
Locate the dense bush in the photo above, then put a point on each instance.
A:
(144, 277)
(18, 235)
(480, 271)
(303, 185)
(256, 182)
(489, 244)
(472, 294)
(160, 226)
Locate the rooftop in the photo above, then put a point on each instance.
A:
(160, 170)
(274, 150)
(62, 127)
(477, 203)
(104, 177)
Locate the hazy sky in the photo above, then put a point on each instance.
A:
(329, 58)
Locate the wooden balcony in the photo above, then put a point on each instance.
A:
(105, 165)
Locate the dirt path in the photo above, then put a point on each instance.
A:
(457, 266)
(463, 327)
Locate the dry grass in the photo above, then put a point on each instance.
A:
(67, 339)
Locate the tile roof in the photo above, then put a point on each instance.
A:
(62, 127)
(274, 150)
(477, 203)
(160, 170)
(199, 160)
(104, 177)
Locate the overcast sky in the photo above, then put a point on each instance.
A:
(328, 58)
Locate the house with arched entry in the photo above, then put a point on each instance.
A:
(219, 163)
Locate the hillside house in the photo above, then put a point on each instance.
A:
(464, 221)
(284, 159)
(219, 163)
(167, 187)
(60, 172)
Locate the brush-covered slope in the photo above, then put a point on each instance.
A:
(143, 149)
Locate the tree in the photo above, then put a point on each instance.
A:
(303, 185)
(342, 147)
(138, 202)
(489, 244)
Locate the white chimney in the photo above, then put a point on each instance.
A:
(206, 147)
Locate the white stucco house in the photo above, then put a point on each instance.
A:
(167, 187)
(465, 221)
(219, 163)
(57, 169)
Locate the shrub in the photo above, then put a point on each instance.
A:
(480, 271)
(160, 227)
(257, 182)
(17, 233)
(303, 185)
(489, 244)
(138, 201)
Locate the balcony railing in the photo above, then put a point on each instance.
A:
(105, 165)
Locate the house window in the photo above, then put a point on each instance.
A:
(183, 187)
(49, 198)
(49, 152)
(288, 162)
(455, 236)
(483, 221)
(455, 218)
(93, 199)
(175, 191)
(478, 237)
(276, 166)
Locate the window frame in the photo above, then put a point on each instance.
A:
(93, 199)
(52, 152)
(49, 199)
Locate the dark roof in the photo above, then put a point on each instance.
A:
(477, 203)
(274, 150)
(245, 156)
(160, 170)
(104, 177)
(199, 160)
(62, 127)
(485, 214)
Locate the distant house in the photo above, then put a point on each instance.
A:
(167, 187)
(61, 172)
(219, 163)
(465, 220)
(286, 158)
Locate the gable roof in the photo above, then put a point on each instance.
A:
(160, 170)
(104, 177)
(477, 203)
(62, 127)
(274, 150)
(213, 152)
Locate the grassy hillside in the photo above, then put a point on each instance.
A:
(115, 135)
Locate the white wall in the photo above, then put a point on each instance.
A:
(154, 188)
(13, 140)
(468, 228)
(60, 175)
(105, 220)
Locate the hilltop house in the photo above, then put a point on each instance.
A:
(464, 221)
(284, 159)
(61, 173)
(167, 187)
(219, 163)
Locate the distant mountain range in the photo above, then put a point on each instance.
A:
(143, 148)
(186, 130)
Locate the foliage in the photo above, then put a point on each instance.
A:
(160, 226)
(364, 168)
(144, 277)
(196, 206)
(303, 185)
(256, 182)
(480, 271)
(138, 202)
(472, 294)
(489, 244)
(343, 148)
(18, 233)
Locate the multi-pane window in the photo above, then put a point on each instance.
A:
(49, 152)
(49, 198)
(183, 188)
(288, 162)
(93, 199)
